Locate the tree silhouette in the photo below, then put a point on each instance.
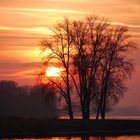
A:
(115, 67)
(59, 47)
(92, 54)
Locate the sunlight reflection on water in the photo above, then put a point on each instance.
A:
(85, 138)
(109, 117)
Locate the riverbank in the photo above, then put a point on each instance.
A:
(11, 128)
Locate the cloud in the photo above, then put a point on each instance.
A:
(128, 25)
(18, 66)
(38, 30)
(132, 1)
(19, 72)
(42, 10)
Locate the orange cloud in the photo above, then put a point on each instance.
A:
(42, 10)
(35, 30)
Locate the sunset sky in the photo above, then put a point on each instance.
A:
(24, 23)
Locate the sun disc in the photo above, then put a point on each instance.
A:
(53, 72)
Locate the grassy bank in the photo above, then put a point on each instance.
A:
(44, 128)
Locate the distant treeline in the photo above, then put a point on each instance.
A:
(25, 102)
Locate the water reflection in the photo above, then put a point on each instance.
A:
(93, 138)
(85, 138)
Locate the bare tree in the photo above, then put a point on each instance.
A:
(59, 49)
(101, 62)
(93, 57)
(115, 67)
(88, 39)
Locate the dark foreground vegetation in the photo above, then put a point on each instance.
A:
(21, 128)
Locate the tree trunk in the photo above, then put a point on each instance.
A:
(68, 94)
(70, 112)
(88, 108)
(83, 108)
(104, 107)
(98, 111)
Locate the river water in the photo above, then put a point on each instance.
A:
(85, 138)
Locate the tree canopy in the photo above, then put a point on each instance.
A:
(92, 55)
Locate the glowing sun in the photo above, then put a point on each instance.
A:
(53, 72)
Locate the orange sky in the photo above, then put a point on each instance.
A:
(23, 23)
